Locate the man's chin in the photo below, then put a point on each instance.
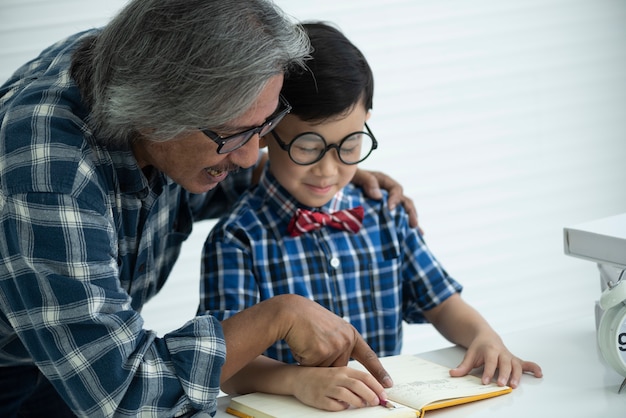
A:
(199, 188)
(203, 183)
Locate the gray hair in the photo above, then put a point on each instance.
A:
(170, 66)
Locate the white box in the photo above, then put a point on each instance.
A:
(604, 242)
(601, 241)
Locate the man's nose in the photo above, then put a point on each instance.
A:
(247, 155)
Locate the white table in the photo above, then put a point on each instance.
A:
(576, 383)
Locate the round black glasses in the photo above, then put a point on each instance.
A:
(310, 147)
(230, 143)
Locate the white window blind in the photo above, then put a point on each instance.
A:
(503, 120)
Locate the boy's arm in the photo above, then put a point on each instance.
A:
(458, 322)
(463, 325)
(329, 388)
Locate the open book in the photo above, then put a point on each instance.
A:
(419, 386)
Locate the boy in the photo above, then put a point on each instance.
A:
(373, 270)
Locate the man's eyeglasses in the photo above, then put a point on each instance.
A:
(310, 147)
(226, 144)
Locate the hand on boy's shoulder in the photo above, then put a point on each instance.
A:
(374, 182)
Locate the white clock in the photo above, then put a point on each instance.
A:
(612, 329)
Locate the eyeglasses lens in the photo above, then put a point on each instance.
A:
(239, 140)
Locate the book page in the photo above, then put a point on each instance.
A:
(419, 385)
(419, 382)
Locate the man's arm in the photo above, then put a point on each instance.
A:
(60, 286)
(316, 336)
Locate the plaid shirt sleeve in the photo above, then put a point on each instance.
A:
(426, 284)
(61, 296)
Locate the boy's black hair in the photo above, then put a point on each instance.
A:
(338, 78)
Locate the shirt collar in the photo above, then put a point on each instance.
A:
(130, 177)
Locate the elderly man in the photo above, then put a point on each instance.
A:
(112, 143)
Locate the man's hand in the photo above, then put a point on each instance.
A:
(372, 181)
(316, 336)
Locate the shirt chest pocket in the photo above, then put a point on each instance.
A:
(382, 279)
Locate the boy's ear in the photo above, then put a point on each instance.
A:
(367, 115)
(263, 142)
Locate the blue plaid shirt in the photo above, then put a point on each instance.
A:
(86, 240)
(374, 278)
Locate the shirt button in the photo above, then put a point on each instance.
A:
(334, 262)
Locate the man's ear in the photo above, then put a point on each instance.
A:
(263, 142)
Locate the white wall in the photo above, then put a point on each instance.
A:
(504, 121)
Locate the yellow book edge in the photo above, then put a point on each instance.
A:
(237, 413)
(457, 401)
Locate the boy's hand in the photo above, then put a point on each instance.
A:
(494, 356)
(336, 388)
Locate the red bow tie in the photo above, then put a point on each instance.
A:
(306, 220)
